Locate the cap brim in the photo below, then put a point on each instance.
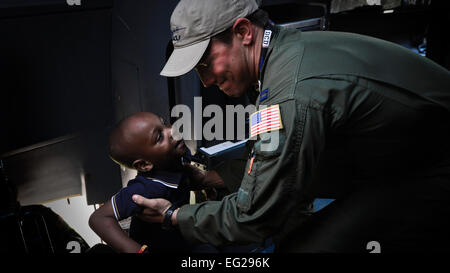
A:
(184, 59)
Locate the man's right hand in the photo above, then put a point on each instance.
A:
(154, 209)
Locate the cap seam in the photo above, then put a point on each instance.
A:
(192, 44)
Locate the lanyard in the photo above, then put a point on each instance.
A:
(268, 31)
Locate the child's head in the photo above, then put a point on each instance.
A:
(143, 141)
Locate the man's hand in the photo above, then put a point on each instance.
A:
(154, 209)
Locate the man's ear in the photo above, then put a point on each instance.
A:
(243, 28)
(142, 165)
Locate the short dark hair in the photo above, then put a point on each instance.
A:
(117, 146)
(117, 152)
(258, 18)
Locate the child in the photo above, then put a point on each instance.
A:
(144, 142)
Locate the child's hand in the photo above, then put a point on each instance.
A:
(203, 179)
(196, 176)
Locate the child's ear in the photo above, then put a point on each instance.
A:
(143, 165)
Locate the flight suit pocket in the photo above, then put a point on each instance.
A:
(268, 148)
(243, 200)
(270, 144)
(245, 192)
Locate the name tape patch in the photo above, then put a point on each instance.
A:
(266, 38)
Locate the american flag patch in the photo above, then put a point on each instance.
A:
(268, 119)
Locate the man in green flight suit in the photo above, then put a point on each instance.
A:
(345, 116)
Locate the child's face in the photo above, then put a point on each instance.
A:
(157, 144)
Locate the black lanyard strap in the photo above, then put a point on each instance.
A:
(267, 36)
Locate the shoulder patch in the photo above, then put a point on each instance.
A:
(267, 119)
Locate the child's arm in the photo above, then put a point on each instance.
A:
(103, 222)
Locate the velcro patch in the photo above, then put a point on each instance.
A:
(268, 119)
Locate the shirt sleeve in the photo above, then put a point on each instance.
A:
(272, 189)
(123, 205)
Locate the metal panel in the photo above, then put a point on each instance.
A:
(56, 81)
(44, 172)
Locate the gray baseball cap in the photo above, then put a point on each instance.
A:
(193, 23)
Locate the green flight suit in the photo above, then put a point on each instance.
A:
(354, 109)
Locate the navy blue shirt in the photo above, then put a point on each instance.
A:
(156, 184)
